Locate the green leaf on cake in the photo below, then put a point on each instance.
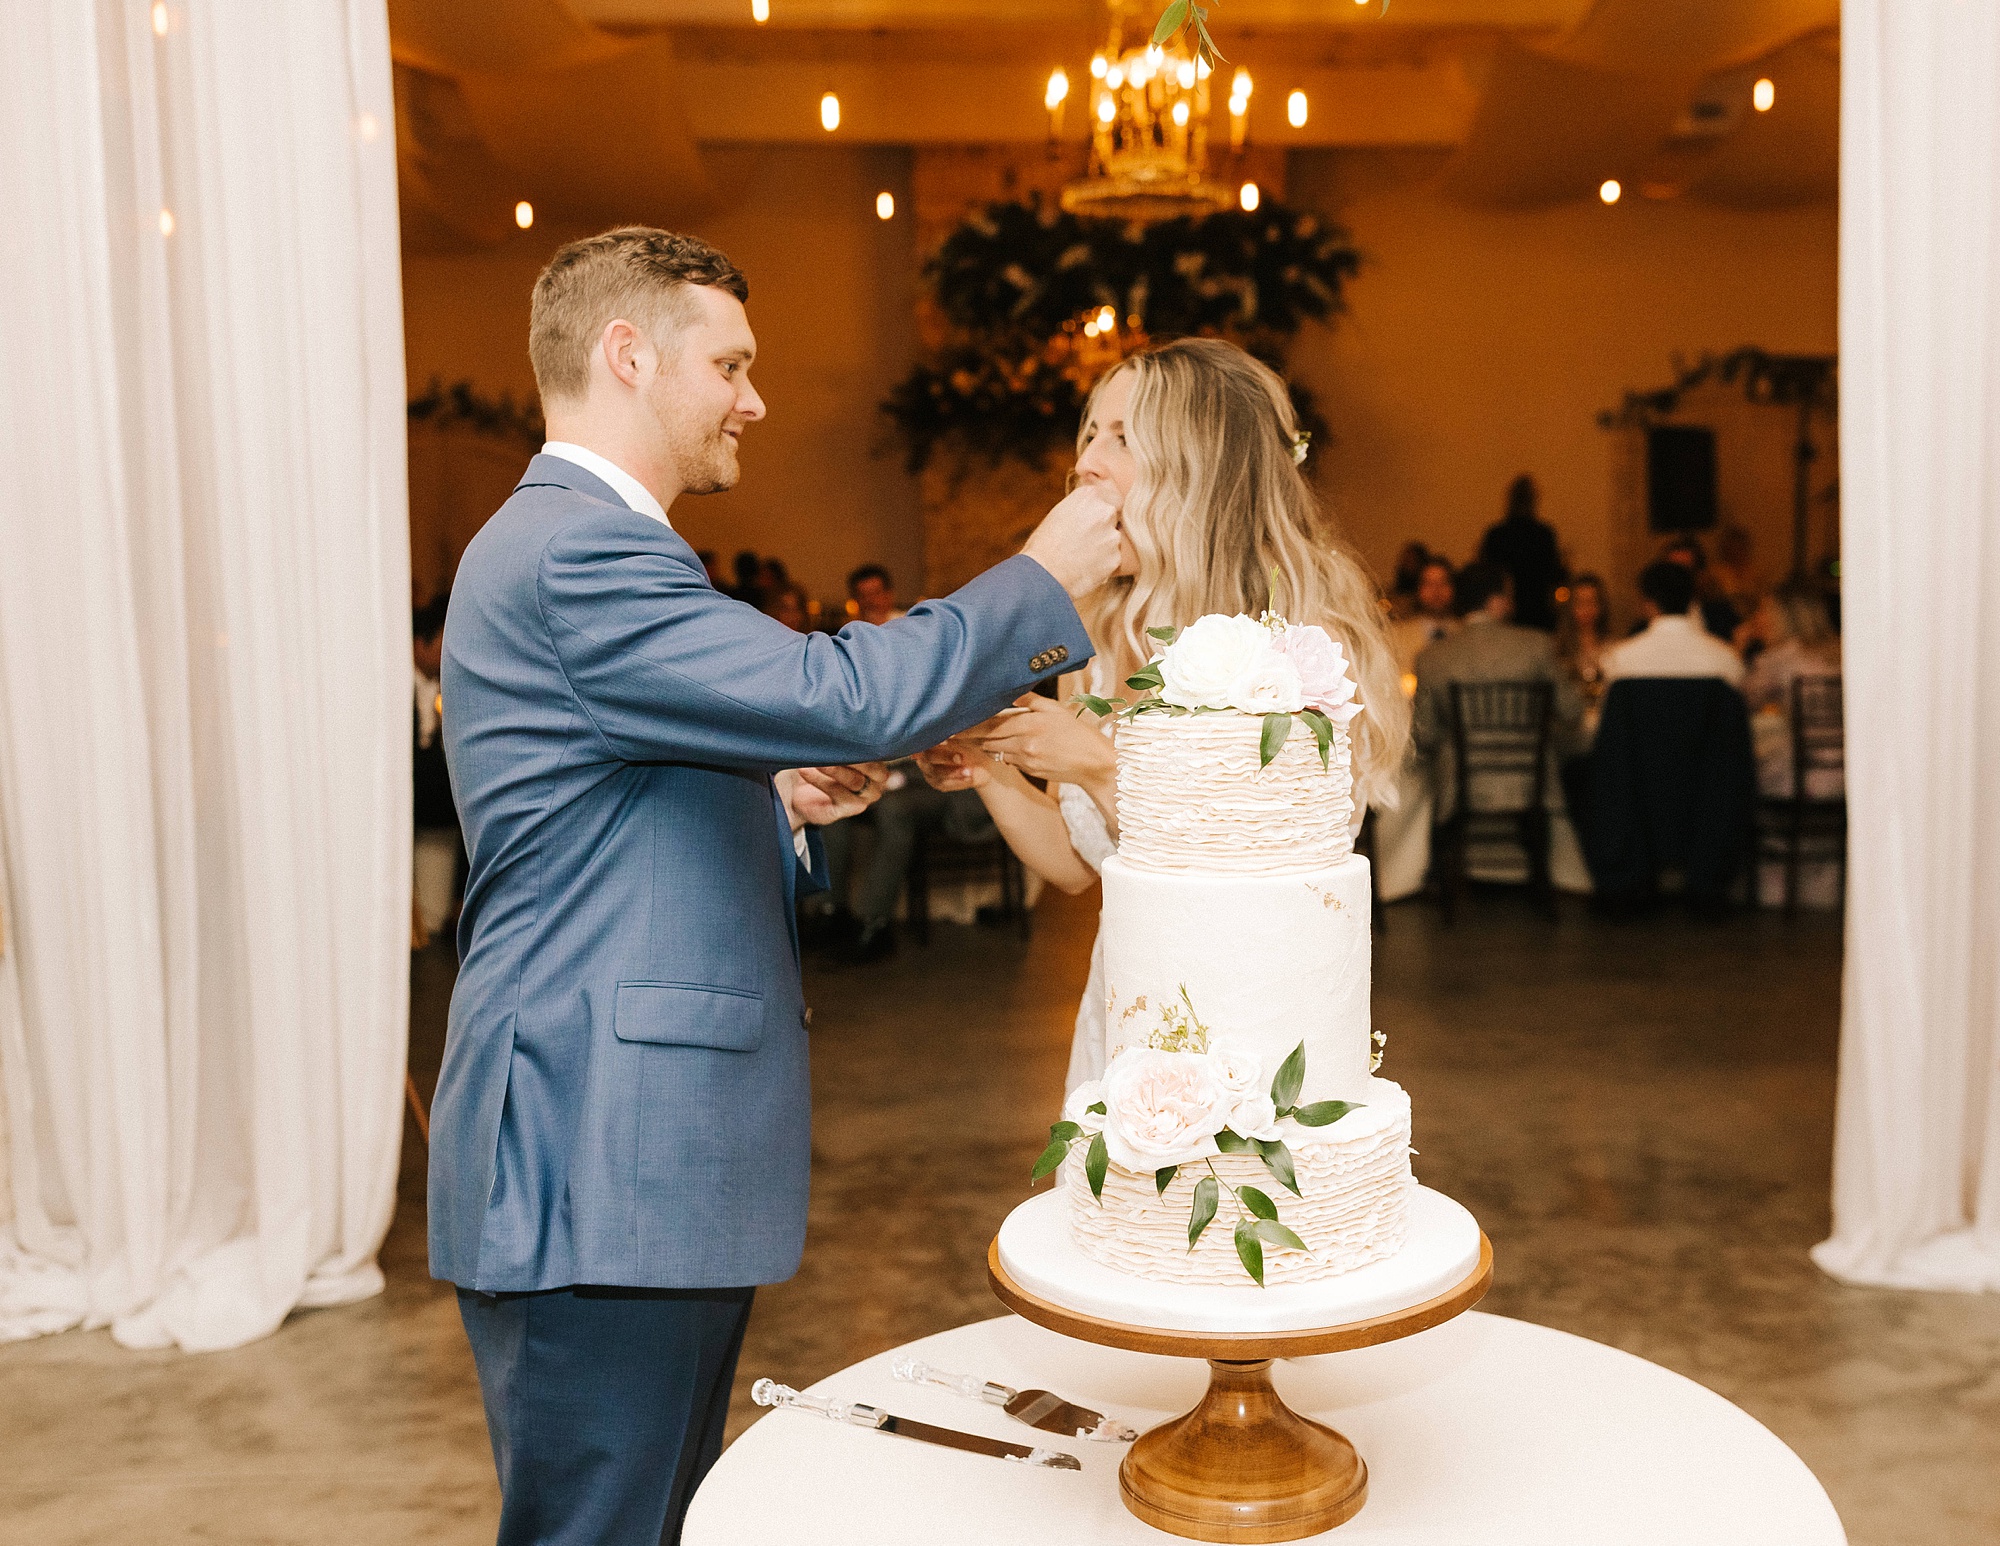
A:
(1145, 679)
(1323, 1113)
(1096, 1109)
(1207, 1194)
(1271, 1232)
(1257, 1202)
(1171, 21)
(1322, 729)
(1250, 1249)
(1228, 1143)
(1289, 1079)
(1164, 1178)
(1164, 635)
(1095, 1163)
(1061, 1136)
(1276, 728)
(1278, 1160)
(1098, 706)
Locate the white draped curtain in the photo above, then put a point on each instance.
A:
(1917, 1153)
(204, 666)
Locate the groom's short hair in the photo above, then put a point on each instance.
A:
(635, 272)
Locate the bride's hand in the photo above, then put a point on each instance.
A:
(1047, 740)
(951, 766)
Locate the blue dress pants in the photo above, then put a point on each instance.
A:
(605, 1406)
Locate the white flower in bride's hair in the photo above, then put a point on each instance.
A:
(1254, 1116)
(1077, 1108)
(1322, 668)
(1165, 1108)
(1203, 664)
(1268, 685)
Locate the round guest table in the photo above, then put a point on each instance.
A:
(1480, 1432)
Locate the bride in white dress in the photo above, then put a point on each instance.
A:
(1198, 443)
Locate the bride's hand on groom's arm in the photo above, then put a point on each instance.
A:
(952, 765)
(817, 797)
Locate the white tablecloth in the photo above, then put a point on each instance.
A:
(1482, 1432)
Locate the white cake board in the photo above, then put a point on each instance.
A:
(1038, 1254)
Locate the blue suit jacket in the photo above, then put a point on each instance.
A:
(624, 1097)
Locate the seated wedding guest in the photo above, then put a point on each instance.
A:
(872, 594)
(1431, 614)
(749, 585)
(772, 576)
(1488, 647)
(1734, 570)
(1672, 643)
(1524, 545)
(440, 852)
(788, 604)
(1717, 613)
(1583, 632)
(1403, 583)
(712, 567)
(1798, 640)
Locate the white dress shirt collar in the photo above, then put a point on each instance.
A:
(628, 488)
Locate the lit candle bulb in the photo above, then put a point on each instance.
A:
(829, 112)
(1295, 109)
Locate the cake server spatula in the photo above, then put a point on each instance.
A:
(1036, 1408)
(861, 1415)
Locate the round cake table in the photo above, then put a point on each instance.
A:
(1479, 1432)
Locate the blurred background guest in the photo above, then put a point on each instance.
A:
(1717, 612)
(711, 566)
(1734, 571)
(1583, 633)
(1431, 615)
(1524, 545)
(1797, 640)
(871, 592)
(1489, 647)
(1672, 643)
(749, 586)
(1406, 576)
(789, 604)
(440, 851)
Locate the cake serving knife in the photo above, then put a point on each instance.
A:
(1036, 1408)
(861, 1415)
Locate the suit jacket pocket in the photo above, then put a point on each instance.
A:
(689, 1014)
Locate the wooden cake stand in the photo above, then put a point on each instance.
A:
(1243, 1466)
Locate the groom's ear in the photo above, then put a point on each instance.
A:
(627, 352)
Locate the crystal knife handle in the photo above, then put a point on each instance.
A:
(860, 1414)
(918, 1372)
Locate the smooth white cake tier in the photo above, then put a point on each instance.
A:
(1192, 798)
(1038, 1253)
(1353, 1209)
(1267, 960)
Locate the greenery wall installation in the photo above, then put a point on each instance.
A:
(1017, 282)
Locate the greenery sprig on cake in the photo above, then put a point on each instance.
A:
(1287, 673)
(1181, 1099)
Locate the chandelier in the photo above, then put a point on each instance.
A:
(1149, 133)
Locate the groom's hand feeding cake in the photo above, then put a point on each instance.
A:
(1239, 1132)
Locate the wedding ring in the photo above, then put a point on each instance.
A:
(998, 756)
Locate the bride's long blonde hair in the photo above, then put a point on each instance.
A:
(1222, 521)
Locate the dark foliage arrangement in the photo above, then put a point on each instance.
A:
(1017, 281)
(460, 405)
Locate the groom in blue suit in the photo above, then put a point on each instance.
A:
(619, 1145)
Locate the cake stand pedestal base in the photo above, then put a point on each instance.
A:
(1243, 1466)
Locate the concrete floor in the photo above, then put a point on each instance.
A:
(1640, 1116)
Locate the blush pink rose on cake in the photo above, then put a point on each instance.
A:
(1322, 670)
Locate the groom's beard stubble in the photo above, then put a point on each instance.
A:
(704, 457)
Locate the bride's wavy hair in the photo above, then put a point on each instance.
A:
(1222, 521)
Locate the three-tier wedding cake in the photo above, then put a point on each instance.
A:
(1240, 1133)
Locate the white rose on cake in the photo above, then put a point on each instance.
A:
(1077, 1108)
(1240, 1071)
(1254, 1116)
(1165, 1108)
(1268, 685)
(1202, 667)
